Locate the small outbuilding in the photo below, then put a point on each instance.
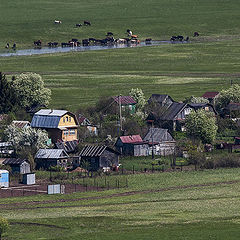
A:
(29, 178)
(18, 165)
(99, 157)
(4, 178)
(46, 158)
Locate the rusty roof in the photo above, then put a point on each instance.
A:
(210, 94)
(131, 139)
(125, 100)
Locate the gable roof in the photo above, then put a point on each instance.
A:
(210, 94)
(158, 135)
(68, 146)
(125, 100)
(95, 151)
(173, 110)
(131, 139)
(48, 118)
(51, 154)
(159, 98)
(14, 161)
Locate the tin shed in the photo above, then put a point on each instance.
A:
(18, 165)
(4, 178)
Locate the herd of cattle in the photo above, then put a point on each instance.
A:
(108, 40)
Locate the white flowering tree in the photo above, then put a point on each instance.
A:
(30, 138)
(29, 88)
(201, 125)
(231, 94)
(194, 99)
(139, 97)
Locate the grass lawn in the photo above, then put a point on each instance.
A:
(194, 205)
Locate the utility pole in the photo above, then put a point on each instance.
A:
(120, 114)
(152, 141)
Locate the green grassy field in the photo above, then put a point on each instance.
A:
(180, 205)
(79, 79)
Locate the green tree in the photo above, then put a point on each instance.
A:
(139, 97)
(231, 94)
(194, 99)
(8, 99)
(201, 125)
(3, 226)
(29, 87)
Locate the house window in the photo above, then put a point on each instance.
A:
(70, 119)
(72, 132)
(206, 108)
(66, 119)
(65, 132)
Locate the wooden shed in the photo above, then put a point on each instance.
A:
(45, 158)
(99, 157)
(18, 165)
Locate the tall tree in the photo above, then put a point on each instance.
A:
(29, 88)
(201, 125)
(8, 99)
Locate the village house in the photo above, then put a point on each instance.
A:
(211, 96)
(61, 125)
(161, 140)
(132, 145)
(205, 106)
(46, 158)
(83, 121)
(18, 165)
(99, 157)
(127, 103)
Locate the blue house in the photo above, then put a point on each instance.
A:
(4, 178)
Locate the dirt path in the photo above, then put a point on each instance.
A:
(34, 204)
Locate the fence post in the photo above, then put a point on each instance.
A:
(122, 169)
(108, 185)
(133, 169)
(126, 182)
(105, 181)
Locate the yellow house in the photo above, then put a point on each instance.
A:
(61, 125)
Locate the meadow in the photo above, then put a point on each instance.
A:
(79, 79)
(180, 205)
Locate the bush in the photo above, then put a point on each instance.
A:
(56, 169)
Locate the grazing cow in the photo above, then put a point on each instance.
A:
(180, 38)
(173, 38)
(57, 21)
(14, 46)
(129, 32)
(109, 34)
(52, 44)
(196, 34)
(187, 39)
(7, 45)
(78, 25)
(121, 41)
(87, 23)
(85, 42)
(92, 39)
(148, 40)
(37, 43)
(74, 40)
(64, 44)
(134, 36)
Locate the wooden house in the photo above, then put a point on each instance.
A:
(61, 125)
(99, 157)
(45, 158)
(211, 96)
(127, 103)
(162, 100)
(18, 165)
(161, 140)
(132, 145)
(205, 106)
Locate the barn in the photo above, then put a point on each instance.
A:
(99, 157)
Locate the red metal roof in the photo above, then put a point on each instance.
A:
(125, 100)
(131, 139)
(210, 94)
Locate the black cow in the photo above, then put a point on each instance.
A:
(87, 23)
(85, 42)
(187, 39)
(78, 25)
(196, 34)
(180, 38)
(109, 34)
(37, 43)
(74, 40)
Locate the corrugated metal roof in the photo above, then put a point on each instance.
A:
(131, 139)
(210, 94)
(21, 124)
(51, 154)
(68, 146)
(51, 112)
(95, 151)
(14, 161)
(159, 98)
(42, 121)
(5, 144)
(173, 110)
(125, 100)
(158, 135)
